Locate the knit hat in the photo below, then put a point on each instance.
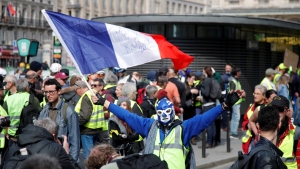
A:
(198, 74)
(35, 66)
(152, 75)
(123, 99)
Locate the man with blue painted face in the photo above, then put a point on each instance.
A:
(168, 137)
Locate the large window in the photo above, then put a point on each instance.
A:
(154, 29)
(209, 32)
(181, 31)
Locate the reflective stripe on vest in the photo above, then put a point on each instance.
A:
(43, 103)
(97, 117)
(132, 104)
(15, 104)
(266, 81)
(287, 148)
(247, 136)
(237, 87)
(4, 131)
(172, 149)
(276, 77)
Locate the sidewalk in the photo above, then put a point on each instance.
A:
(218, 155)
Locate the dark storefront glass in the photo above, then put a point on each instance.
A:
(180, 31)
(154, 29)
(209, 31)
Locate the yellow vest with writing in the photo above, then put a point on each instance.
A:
(97, 117)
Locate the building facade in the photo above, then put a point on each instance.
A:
(279, 9)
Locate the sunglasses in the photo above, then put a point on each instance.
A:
(94, 85)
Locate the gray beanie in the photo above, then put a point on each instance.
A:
(123, 99)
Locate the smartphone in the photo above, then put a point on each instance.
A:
(61, 139)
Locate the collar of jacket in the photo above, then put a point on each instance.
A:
(263, 141)
(58, 106)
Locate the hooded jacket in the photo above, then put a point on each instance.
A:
(70, 96)
(31, 136)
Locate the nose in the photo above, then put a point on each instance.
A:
(164, 115)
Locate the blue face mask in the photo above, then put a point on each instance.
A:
(165, 111)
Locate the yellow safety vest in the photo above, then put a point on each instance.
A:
(171, 149)
(132, 104)
(276, 77)
(237, 87)
(198, 103)
(97, 117)
(248, 133)
(266, 81)
(287, 148)
(15, 104)
(43, 103)
(6, 96)
(107, 86)
(105, 122)
(3, 132)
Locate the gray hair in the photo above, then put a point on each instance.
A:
(262, 88)
(22, 84)
(11, 78)
(47, 124)
(110, 78)
(150, 90)
(128, 89)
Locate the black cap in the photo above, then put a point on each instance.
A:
(66, 71)
(280, 101)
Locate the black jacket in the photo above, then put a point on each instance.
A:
(267, 159)
(205, 91)
(31, 135)
(148, 107)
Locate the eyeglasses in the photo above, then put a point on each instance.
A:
(94, 85)
(50, 92)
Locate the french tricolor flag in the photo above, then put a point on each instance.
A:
(94, 45)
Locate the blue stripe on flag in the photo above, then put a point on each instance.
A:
(88, 41)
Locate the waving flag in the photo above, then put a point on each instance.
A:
(94, 45)
(10, 10)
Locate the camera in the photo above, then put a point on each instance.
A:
(5, 122)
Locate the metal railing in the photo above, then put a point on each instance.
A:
(24, 22)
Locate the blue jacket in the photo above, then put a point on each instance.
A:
(70, 127)
(191, 127)
(283, 90)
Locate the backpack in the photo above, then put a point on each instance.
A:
(16, 160)
(215, 89)
(28, 115)
(145, 161)
(141, 95)
(243, 159)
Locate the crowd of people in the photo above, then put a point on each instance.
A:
(129, 114)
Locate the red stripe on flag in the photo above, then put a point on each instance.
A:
(167, 50)
(11, 9)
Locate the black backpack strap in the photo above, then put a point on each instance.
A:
(38, 147)
(254, 151)
(31, 98)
